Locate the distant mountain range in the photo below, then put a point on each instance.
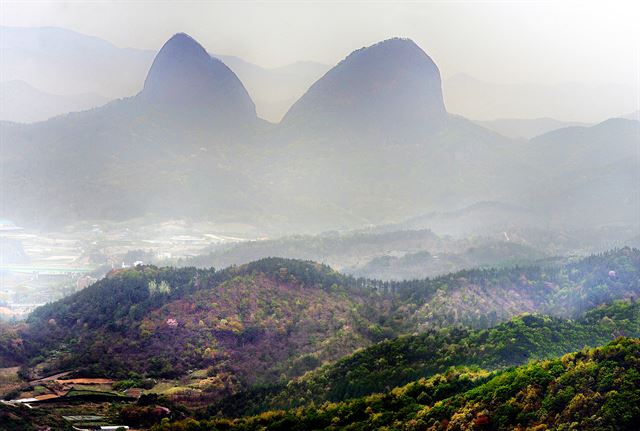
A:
(77, 63)
(526, 128)
(392, 255)
(20, 102)
(589, 175)
(74, 62)
(570, 101)
(370, 142)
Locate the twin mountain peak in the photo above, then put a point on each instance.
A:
(393, 82)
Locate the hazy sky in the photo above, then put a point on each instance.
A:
(501, 41)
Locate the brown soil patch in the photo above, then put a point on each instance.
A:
(86, 382)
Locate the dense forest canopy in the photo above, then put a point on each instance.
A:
(268, 321)
(592, 389)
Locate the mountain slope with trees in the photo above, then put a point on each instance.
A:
(592, 389)
(398, 361)
(266, 322)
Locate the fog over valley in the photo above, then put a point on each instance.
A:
(211, 223)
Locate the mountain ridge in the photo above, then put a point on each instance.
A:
(190, 145)
(135, 301)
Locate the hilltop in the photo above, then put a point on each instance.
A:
(246, 324)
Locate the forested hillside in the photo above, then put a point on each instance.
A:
(255, 323)
(592, 389)
(396, 362)
(274, 319)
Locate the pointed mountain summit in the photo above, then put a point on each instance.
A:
(185, 78)
(391, 85)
